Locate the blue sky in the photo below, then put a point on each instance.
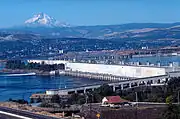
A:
(91, 12)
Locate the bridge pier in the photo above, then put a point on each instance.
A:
(130, 85)
(75, 91)
(114, 88)
(145, 82)
(84, 90)
(138, 83)
(155, 81)
(122, 86)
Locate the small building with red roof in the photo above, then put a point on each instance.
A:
(114, 100)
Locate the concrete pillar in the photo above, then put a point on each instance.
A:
(129, 85)
(114, 88)
(153, 82)
(122, 87)
(145, 83)
(75, 91)
(157, 81)
(85, 91)
(138, 83)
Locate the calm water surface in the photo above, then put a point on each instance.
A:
(22, 87)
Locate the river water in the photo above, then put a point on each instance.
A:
(22, 87)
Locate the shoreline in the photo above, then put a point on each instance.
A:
(23, 71)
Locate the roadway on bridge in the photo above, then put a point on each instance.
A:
(8, 113)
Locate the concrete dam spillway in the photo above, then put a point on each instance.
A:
(115, 70)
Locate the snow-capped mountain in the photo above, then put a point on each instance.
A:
(43, 19)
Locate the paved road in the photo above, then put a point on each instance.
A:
(21, 113)
(3, 116)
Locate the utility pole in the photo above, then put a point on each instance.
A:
(86, 98)
(178, 96)
(90, 110)
(91, 105)
(136, 105)
(136, 98)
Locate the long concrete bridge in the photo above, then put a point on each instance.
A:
(124, 84)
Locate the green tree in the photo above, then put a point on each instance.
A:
(169, 99)
(102, 91)
(105, 90)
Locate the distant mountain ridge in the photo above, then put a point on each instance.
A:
(46, 26)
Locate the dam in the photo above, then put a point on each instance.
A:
(121, 76)
(105, 69)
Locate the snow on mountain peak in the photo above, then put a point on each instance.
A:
(43, 19)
